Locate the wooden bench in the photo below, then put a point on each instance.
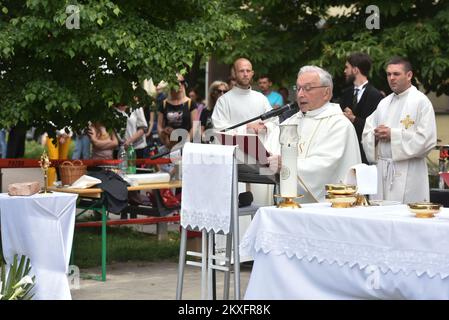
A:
(95, 194)
(160, 221)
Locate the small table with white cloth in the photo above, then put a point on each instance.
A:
(41, 227)
(319, 252)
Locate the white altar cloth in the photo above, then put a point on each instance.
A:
(41, 227)
(319, 252)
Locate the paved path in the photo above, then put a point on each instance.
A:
(149, 281)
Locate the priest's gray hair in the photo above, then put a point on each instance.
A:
(325, 77)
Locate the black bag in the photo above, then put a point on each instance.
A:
(114, 188)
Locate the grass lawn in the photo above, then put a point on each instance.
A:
(124, 244)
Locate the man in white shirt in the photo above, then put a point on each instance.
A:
(399, 135)
(328, 145)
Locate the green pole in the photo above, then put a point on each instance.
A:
(103, 243)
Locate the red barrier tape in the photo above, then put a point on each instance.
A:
(34, 163)
(150, 220)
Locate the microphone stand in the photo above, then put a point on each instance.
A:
(263, 116)
(160, 155)
(241, 124)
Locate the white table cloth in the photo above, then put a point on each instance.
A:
(207, 186)
(319, 252)
(41, 227)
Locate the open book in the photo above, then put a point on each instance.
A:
(250, 149)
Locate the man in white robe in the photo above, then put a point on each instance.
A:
(399, 135)
(242, 103)
(239, 104)
(328, 145)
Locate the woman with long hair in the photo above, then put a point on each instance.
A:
(216, 90)
(176, 112)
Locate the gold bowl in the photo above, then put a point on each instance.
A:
(424, 209)
(340, 188)
(341, 200)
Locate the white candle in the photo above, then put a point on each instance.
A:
(288, 184)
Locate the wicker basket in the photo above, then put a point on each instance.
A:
(71, 171)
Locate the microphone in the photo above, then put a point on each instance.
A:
(278, 111)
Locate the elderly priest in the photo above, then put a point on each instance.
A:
(328, 144)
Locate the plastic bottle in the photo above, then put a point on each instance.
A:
(131, 152)
(123, 157)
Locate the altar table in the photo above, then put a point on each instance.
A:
(319, 252)
(41, 227)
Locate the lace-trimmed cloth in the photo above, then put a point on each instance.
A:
(207, 172)
(387, 237)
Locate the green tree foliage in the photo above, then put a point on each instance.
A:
(68, 76)
(286, 34)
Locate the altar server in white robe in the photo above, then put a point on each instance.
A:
(239, 104)
(399, 135)
(242, 103)
(328, 145)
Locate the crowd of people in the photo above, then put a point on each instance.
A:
(395, 132)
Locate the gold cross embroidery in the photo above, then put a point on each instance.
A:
(407, 122)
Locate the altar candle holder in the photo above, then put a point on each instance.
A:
(288, 139)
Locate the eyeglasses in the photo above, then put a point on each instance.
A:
(220, 91)
(307, 88)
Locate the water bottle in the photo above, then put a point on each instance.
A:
(131, 152)
(123, 157)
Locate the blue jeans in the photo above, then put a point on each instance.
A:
(2, 143)
(82, 147)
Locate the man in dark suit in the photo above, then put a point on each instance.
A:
(360, 99)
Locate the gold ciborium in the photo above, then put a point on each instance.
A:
(424, 209)
(341, 195)
(44, 162)
(340, 188)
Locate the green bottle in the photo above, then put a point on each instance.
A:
(131, 152)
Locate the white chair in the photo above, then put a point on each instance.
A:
(206, 222)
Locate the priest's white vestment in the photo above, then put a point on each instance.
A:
(327, 149)
(401, 162)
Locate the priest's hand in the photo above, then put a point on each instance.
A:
(349, 114)
(382, 133)
(256, 127)
(274, 162)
